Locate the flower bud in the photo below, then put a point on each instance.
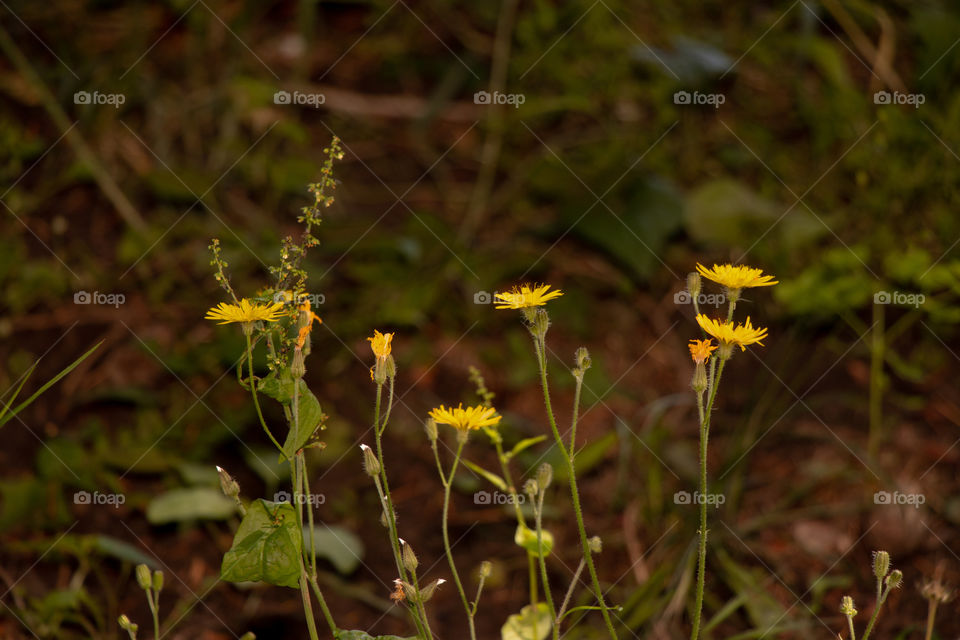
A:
(895, 579)
(694, 284)
(370, 463)
(544, 476)
(531, 488)
(486, 568)
(595, 544)
(430, 426)
(847, 608)
(228, 485)
(380, 371)
(143, 576)
(582, 357)
(126, 625)
(297, 366)
(881, 564)
(410, 562)
(158, 581)
(249, 635)
(541, 323)
(427, 592)
(390, 366)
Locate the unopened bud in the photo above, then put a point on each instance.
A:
(380, 371)
(390, 366)
(126, 625)
(595, 544)
(531, 488)
(881, 564)
(486, 568)
(410, 562)
(249, 635)
(370, 463)
(228, 485)
(297, 366)
(544, 476)
(895, 579)
(430, 426)
(582, 357)
(847, 608)
(694, 284)
(143, 576)
(158, 581)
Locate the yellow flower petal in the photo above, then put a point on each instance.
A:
(468, 419)
(736, 277)
(526, 296)
(729, 333)
(245, 311)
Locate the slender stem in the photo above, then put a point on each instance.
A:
(534, 595)
(306, 491)
(853, 633)
(447, 484)
(576, 414)
(541, 557)
(931, 616)
(540, 348)
(702, 545)
(153, 599)
(573, 584)
(881, 598)
(307, 607)
(253, 391)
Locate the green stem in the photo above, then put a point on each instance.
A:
(566, 598)
(323, 606)
(447, 484)
(853, 633)
(931, 616)
(543, 565)
(253, 390)
(534, 595)
(540, 348)
(881, 598)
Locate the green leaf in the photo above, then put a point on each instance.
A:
(4, 416)
(341, 547)
(523, 445)
(343, 634)
(280, 388)
(494, 479)
(266, 546)
(521, 626)
(527, 538)
(114, 547)
(196, 503)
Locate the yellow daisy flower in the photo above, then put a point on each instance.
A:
(728, 333)
(700, 350)
(736, 276)
(468, 419)
(245, 312)
(526, 296)
(380, 344)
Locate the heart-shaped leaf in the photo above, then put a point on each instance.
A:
(266, 546)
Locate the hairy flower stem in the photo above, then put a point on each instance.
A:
(447, 485)
(253, 391)
(542, 558)
(540, 348)
(712, 384)
(881, 598)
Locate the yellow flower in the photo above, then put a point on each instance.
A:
(728, 333)
(380, 344)
(736, 277)
(700, 350)
(245, 312)
(526, 296)
(468, 419)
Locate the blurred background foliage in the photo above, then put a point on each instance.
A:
(599, 183)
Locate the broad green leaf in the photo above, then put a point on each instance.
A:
(196, 503)
(266, 546)
(532, 623)
(344, 634)
(341, 547)
(527, 538)
(494, 479)
(523, 445)
(280, 388)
